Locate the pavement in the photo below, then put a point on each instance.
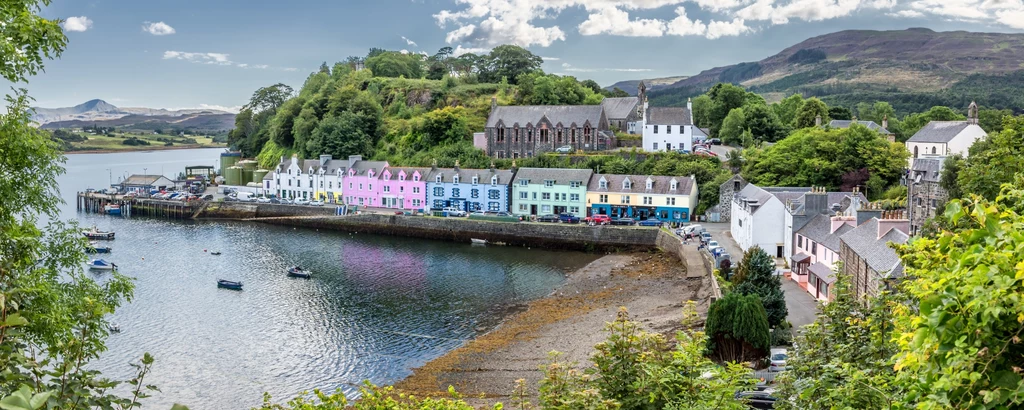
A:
(803, 308)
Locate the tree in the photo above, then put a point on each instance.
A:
(755, 275)
(787, 108)
(951, 168)
(810, 113)
(340, 136)
(509, 61)
(725, 98)
(961, 346)
(732, 127)
(446, 125)
(284, 120)
(592, 85)
(991, 120)
(53, 316)
(737, 328)
(994, 162)
(269, 98)
(395, 64)
(763, 124)
(840, 113)
(914, 122)
(702, 106)
(616, 92)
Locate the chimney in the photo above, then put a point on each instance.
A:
(492, 166)
(494, 103)
(514, 167)
(816, 202)
(433, 164)
(456, 165)
(839, 220)
(353, 159)
(689, 108)
(324, 159)
(972, 113)
(893, 220)
(885, 122)
(854, 119)
(817, 121)
(295, 159)
(866, 212)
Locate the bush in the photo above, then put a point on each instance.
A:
(737, 328)
(134, 141)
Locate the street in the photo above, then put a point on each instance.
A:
(801, 305)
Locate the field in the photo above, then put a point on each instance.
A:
(115, 142)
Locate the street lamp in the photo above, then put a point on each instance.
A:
(144, 171)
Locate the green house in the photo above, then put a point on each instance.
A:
(544, 191)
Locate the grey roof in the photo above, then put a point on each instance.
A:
(561, 176)
(822, 271)
(567, 115)
(466, 175)
(927, 169)
(362, 166)
(870, 124)
(799, 257)
(661, 184)
(408, 171)
(864, 241)
(620, 107)
(753, 195)
(939, 131)
(668, 116)
(819, 230)
(797, 202)
(142, 179)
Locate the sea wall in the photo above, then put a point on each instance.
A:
(248, 210)
(698, 262)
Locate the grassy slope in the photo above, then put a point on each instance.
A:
(114, 143)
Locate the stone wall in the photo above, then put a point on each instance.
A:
(670, 244)
(927, 192)
(725, 194)
(248, 210)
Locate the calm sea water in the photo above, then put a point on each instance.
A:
(376, 307)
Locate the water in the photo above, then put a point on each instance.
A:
(376, 307)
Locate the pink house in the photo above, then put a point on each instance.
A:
(403, 188)
(817, 251)
(361, 184)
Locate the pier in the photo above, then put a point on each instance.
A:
(96, 202)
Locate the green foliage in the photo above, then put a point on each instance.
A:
(737, 328)
(961, 347)
(133, 141)
(508, 61)
(725, 98)
(702, 106)
(27, 39)
(840, 113)
(810, 112)
(396, 64)
(914, 122)
(787, 108)
(733, 127)
(896, 193)
(991, 120)
(371, 397)
(763, 124)
(948, 179)
(993, 162)
(844, 359)
(446, 125)
(819, 157)
(755, 275)
(341, 136)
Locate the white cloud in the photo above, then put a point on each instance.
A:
(631, 70)
(907, 14)
(80, 23)
(204, 58)
(291, 69)
(410, 42)
(460, 50)
(568, 67)
(233, 109)
(717, 29)
(683, 26)
(1012, 18)
(158, 29)
(617, 23)
(261, 66)
(551, 58)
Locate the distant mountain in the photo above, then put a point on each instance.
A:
(101, 111)
(914, 68)
(630, 86)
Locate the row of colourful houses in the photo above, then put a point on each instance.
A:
(522, 191)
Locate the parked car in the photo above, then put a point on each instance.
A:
(705, 237)
(758, 399)
(598, 219)
(316, 203)
(208, 197)
(565, 149)
(275, 201)
(548, 218)
(451, 211)
(650, 222)
(500, 213)
(263, 200)
(777, 360)
(683, 151)
(715, 141)
(569, 218)
(301, 201)
(623, 221)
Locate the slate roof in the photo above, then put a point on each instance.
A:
(409, 171)
(798, 203)
(466, 175)
(822, 271)
(864, 241)
(362, 166)
(620, 107)
(939, 131)
(819, 230)
(668, 116)
(927, 169)
(799, 257)
(522, 115)
(561, 176)
(142, 179)
(661, 185)
(870, 124)
(753, 195)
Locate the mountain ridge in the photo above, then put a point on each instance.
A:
(99, 110)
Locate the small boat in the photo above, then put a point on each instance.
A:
(114, 328)
(228, 284)
(112, 209)
(215, 253)
(100, 264)
(476, 241)
(95, 233)
(92, 248)
(298, 272)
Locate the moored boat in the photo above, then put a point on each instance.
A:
(298, 272)
(100, 264)
(112, 209)
(95, 233)
(229, 284)
(476, 241)
(215, 253)
(92, 248)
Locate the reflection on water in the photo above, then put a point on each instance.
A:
(376, 306)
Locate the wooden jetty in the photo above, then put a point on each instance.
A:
(94, 202)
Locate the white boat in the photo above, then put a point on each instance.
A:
(112, 209)
(95, 233)
(100, 264)
(477, 241)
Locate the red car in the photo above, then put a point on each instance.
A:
(599, 220)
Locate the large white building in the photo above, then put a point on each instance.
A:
(758, 219)
(942, 138)
(308, 179)
(669, 128)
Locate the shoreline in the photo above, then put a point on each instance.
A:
(652, 286)
(147, 148)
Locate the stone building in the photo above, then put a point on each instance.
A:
(867, 258)
(726, 192)
(525, 131)
(624, 112)
(941, 138)
(924, 194)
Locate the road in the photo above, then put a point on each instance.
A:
(801, 305)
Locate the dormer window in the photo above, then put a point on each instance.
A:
(476, 180)
(626, 184)
(416, 178)
(650, 184)
(524, 182)
(494, 180)
(401, 176)
(603, 184)
(675, 184)
(549, 183)
(455, 179)
(438, 179)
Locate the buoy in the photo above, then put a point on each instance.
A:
(204, 250)
(143, 258)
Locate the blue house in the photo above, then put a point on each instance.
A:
(470, 190)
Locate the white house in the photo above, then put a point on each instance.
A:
(941, 138)
(307, 179)
(145, 183)
(758, 219)
(669, 128)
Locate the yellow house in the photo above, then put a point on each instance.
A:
(666, 198)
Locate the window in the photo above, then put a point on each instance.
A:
(529, 135)
(349, 185)
(289, 182)
(369, 187)
(415, 189)
(543, 135)
(476, 180)
(474, 193)
(493, 194)
(438, 191)
(501, 135)
(814, 248)
(416, 178)
(515, 135)
(648, 200)
(574, 184)
(655, 129)
(455, 192)
(524, 182)
(401, 177)
(670, 201)
(650, 184)
(799, 241)
(549, 183)
(438, 179)
(524, 195)
(360, 201)
(534, 196)
(360, 187)
(401, 189)
(655, 146)
(933, 150)
(559, 132)
(915, 154)
(602, 198)
(627, 185)
(330, 185)
(522, 207)
(603, 184)
(494, 180)
(668, 129)
(674, 185)
(455, 179)
(574, 197)
(417, 203)
(493, 206)
(933, 203)
(438, 203)
(321, 184)
(545, 209)
(311, 183)
(625, 199)
(387, 188)
(546, 196)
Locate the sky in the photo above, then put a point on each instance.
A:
(215, 53)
